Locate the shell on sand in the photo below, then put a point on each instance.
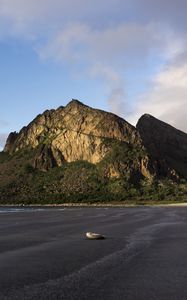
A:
(94, 236)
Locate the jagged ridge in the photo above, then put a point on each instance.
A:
(91, 155)
(71, 133)
(166, 145)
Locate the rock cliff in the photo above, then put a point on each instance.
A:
(77, 153)
(71, 133)
(167, 146)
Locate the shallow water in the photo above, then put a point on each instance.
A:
(19, 209)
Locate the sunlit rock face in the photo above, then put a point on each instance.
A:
(167, 146)
(74, 132)
(78, 132)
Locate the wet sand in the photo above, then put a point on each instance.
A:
(44, 253)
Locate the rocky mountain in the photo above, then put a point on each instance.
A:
(81, 153)
(167, 146)
(71, 133)
(76, 130)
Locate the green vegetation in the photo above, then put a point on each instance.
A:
(84, 182)
(124, 160)
(4, 157)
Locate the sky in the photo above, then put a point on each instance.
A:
(127, 57)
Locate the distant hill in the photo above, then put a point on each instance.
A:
(77, 153)
(167, 146)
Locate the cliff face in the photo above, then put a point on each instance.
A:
(92, 155)
(71, 133)
(78, 132)
(166, 146)
(9, 147)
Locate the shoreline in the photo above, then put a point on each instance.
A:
(87, 205)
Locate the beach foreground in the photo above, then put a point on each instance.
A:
(44, 253)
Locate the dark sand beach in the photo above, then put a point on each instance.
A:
(44, 253)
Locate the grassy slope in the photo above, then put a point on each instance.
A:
(81, 181)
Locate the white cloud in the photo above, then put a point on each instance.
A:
(33, 17)
(107, 39)
(114, 45)
(107, 54)
(117, 101)
(110, 12)
(167, 97)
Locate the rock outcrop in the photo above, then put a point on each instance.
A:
(9, 147)
(78, 132)
(47, 157)
(167, 146)
(71, 133)
(77, 153)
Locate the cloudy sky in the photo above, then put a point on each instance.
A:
(128, 57)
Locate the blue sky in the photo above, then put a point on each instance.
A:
(128, 57)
